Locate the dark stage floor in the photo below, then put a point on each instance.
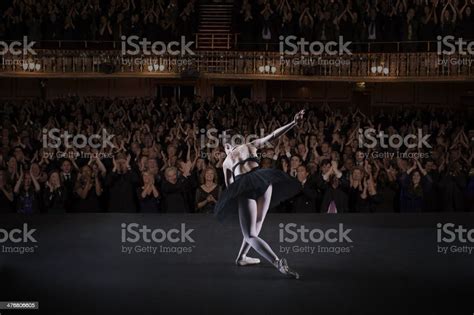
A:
(391, 266)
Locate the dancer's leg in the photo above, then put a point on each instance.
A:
(263, 203)
(248, 223)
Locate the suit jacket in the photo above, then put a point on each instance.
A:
(176, 196)
(69, 185)
(338, 196)
(306, 199)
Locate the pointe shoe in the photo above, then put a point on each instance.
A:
(247, 261)
(282, 266)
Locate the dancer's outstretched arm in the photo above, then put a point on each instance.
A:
(279, 132)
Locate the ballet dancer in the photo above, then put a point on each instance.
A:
(251, 191)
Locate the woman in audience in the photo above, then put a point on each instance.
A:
(55, 195)
(208, 192)
(27, 194)
(148, 194)
(88, 188)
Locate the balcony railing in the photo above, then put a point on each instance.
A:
(265, 65)
(232, 41)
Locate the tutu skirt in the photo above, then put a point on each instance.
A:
(253, 185)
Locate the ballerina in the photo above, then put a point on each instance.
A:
(251, 191)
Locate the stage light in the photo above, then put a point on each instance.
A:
(373, 69)
(360, 85)
(150, 68)
(386, 71)
(38, 67)
(379, 69)
(267, 69)
(156, 67)
(162, 67)
(31, 66)
(25, 66)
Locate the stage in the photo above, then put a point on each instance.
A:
(365, 264)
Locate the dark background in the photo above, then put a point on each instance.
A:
(393, 268)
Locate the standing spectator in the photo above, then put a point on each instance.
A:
(148, 194)
(68, 178)
(452, 185)
(121, 183)
(335, 199)
(55, 195)
(88, 189)
(416, 185)
(208, 192)
(6, 194)
(306, 199)
(27, 194)
(174, 189)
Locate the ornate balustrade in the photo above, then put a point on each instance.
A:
(242, 65)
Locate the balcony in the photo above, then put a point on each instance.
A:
(93, 59)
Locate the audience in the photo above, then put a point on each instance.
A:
(96, 19)
(166, 156)
(264, 21)
(256, 22)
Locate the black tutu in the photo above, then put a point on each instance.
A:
(253, 185)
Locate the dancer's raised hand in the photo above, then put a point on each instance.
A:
(299, 116)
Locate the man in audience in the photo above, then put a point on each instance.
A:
(122, 183)
(307, 198)
(175, 189)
